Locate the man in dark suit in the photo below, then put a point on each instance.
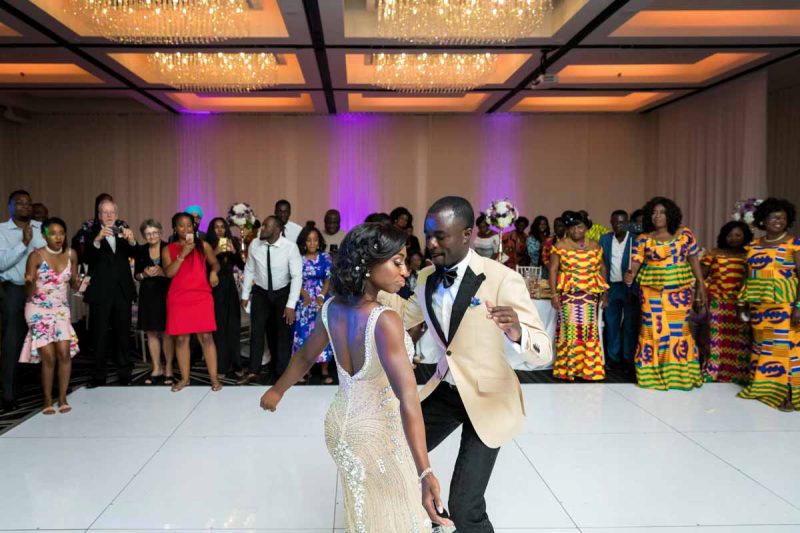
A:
(622, 313)
(110, 293)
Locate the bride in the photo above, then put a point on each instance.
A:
(374, 428)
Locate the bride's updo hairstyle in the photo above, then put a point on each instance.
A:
(364, 247)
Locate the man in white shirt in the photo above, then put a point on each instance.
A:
(283, 210)
(273, 276)
(19, 236)
(622, 313)
(333, 231)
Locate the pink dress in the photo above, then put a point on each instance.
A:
(190, 305)
(47, 312)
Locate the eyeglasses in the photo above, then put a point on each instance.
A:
(152, 233)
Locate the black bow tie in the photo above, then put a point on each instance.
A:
(446, 277)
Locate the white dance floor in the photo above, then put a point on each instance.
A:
(593, 458)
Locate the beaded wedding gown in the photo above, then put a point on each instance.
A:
(364, 435)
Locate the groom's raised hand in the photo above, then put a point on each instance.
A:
(506, 319)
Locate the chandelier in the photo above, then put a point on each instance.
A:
(165, 21)
(216, 72)
(460, 21)
(433, 73)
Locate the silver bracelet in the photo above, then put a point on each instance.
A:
(425, 473)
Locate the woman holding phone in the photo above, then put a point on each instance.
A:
(190, 306)
(227, 311)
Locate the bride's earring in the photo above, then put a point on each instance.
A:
(367, 274)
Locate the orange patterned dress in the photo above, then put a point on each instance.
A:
(729, 358)
(579, 350)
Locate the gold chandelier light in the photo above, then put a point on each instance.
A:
(216, 72)
(433, 73)
(460, 21)
(165, 21)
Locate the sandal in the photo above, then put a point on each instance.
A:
(152, 378)
(327, 379)
(64, 408)
(50, 410)
(169, 380)
(177, 387)
(216, 386)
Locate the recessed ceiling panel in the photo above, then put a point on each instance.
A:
(7, 31)
(712, 23)
(45, 73)
(605, 103)
(392, 103)
(253, 103)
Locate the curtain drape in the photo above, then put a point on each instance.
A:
(783, 167)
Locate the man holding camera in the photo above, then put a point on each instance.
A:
(110, 293)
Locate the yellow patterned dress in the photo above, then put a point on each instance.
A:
(770, 289)
(364, 434)
(666, 357)
(579, 350)
(729, 357)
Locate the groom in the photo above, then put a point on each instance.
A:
(480, 314)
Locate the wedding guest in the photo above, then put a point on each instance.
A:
(515, 245)
(291, 230)
(333, 230)
(227, 312)
(19, 236)
(403, 219)
(197, 214)
(666, 266)
(540, 231)
(110, 293)
(725, 268)
(414, 263)
(559, 231)
(49, 273)
(487, 241)
(596, 231)
(622, 313)
(40, 212)
(379, 218)
(315, 290)
(153, 288)
(190, 306)
(578, 282)
(772, 295)
(86, 232)
(273, 276)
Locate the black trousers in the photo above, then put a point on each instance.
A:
(443, 412)
(266, 318)
(227, 337)
(15, 328)
(110, 329)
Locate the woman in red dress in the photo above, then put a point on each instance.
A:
(190, 305)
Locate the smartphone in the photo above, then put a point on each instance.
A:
(84, 284)
(223, 243)
(334, 248)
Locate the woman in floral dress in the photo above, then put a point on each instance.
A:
(49, 273)
(316, 285)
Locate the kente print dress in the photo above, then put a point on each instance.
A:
(667, 356)
(579, 350)
(770, 289)
(47, 312)
(729, 357)
(364, 435)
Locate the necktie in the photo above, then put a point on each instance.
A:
(269, 270)
(446, 277)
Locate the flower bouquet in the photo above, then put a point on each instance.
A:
(243, 217)
(745, 210)
(501, 214)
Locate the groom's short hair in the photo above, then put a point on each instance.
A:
(458, 205)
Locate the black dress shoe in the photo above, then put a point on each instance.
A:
(9, 406)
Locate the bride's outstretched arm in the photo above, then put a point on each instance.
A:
(301, 362)
(390, 341)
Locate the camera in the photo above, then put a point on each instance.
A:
(116, 230)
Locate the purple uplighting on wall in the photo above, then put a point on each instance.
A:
(501, 160)
(354, 164)
(196, 179)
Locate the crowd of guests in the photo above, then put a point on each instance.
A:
(645, 276)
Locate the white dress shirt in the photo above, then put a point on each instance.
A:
(292, 231)
(443, 299)
(617, 251)
(13, 252)
(286, 263)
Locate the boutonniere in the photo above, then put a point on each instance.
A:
(475, 302)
